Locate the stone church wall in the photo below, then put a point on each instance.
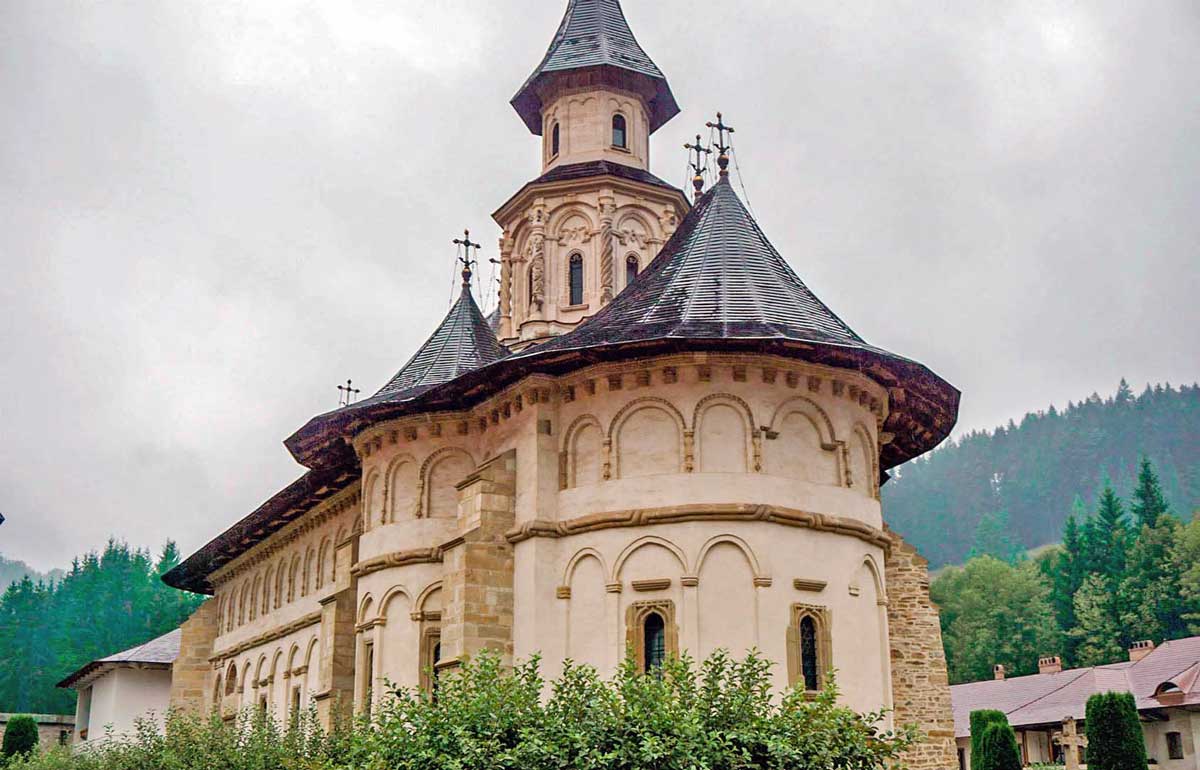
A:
(920, 682)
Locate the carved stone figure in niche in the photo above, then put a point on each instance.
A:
(537, 272)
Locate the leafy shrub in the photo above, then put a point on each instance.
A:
(485, 718)
(997, 748)
(20, 736)
(1115, 739)
(979, 720)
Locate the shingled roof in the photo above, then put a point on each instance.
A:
(464, 341)
(160, 652)
(717, 284)
(594, 33)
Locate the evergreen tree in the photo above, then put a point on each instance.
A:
(997, 749)
(1185, 558)
(993, 538)
(1149, 504)
(980, 719)
(20, 736)
(1098, 631)
(1114, 733)
(107, 602)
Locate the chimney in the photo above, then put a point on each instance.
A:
(1139, 650)
(998, 672)
(1051, 664)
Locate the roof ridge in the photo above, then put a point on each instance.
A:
(1082, 672)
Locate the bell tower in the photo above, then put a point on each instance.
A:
(579, 233)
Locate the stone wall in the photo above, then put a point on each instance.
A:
(920, 683)
(189, 673)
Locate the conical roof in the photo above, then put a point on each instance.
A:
(717, 278)
(594, 33)
(464, 341)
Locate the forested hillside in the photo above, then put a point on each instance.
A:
(12, 571)
(107, 602)
(1023, 479)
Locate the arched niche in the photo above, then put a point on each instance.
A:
(726, 598)
(402, 485)
(804, 445)
(864, 461)
(371, 499)
(724, 428)
(647, 438)
(584, 448)
(586, 611)
(440, 475)
(649, 554)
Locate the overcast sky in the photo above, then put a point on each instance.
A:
(212, 212)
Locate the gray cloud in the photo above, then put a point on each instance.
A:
(212, 213)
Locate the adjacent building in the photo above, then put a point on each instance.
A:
(1047, 709)
(117, 691)
(662, 441)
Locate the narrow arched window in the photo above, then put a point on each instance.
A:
(555, 136)
(631, 269)
(619, 133)
(231, 680)
(808, 654)
(576, 281)
(654, 632)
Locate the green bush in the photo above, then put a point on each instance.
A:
(1115, 739)
(979, 720)
(997, 748)
(20, 736)
(483, 718)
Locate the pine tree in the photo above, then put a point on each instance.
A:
(993, 538)
(1097, 631)
(1149, 504)
(1114, 733)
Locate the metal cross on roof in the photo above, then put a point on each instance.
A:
(698, 164)
(347, 393)
(722, 148)
(465, 259)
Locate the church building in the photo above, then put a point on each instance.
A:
(662, 441)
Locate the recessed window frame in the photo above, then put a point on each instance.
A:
(575, 279)
(635, 630)
(620, 131)
(1175, 745)
(555, 140)
(815, 650)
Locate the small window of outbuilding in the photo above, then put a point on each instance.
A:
(620, 136)
(1175, 745)
(576, 279)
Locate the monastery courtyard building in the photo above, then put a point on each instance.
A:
(662, 441)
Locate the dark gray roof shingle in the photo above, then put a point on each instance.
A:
(464, 341)
(717, 278)
(594, 33)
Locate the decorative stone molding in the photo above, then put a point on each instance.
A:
(656, 584)
(562, 592)
(311, 619)
(689, 581)
(763, 582)
(701, 512)
(804, 584)
(396, 559)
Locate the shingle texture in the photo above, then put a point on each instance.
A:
(464, 341)
(161, 651)
(717, 278)
(594, 33)
(1166, 677)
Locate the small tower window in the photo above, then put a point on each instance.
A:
(576, 279)
(654, 631)
(631, 269)
(808, 654)
(619, 134)
(554, 140)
